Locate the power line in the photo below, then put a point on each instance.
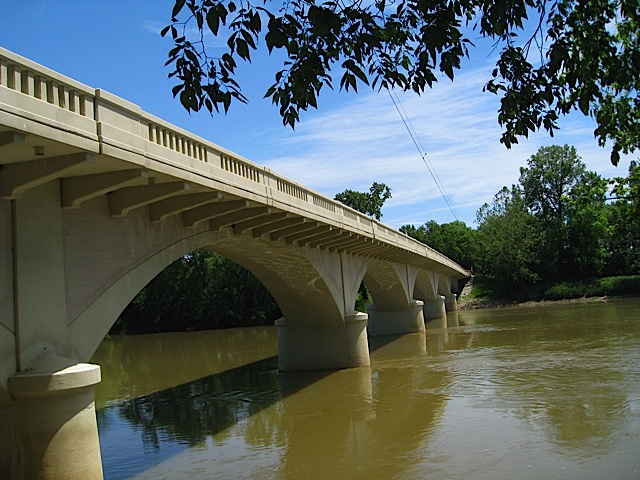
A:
(421, 150)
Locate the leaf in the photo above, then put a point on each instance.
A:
(351, 66)
(177, 7)
(242, 48)
(248, 38)
(213, 20)
(583, 103)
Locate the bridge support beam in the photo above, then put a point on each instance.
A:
(398, 322)
(55, 420)
(434, 309)
(323, 347)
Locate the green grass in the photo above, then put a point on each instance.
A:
(597, 287)
(485, 288)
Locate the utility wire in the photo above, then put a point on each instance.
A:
(421, 150)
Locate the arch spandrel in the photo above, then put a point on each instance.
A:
(306, 295)
(342, 273)
(303, 295)
(387, 287)
(425, 289)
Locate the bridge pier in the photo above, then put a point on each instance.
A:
(323, 347)
(435, 309)
(54, 420)
(397, 322)
(450, 303)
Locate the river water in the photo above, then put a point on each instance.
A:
(548, 391)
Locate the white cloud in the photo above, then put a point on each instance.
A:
(364, 140)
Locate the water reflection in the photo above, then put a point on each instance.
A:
(502, 388)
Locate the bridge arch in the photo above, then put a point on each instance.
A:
(388, 290)
(308, 294)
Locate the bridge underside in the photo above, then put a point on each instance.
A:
(97, 197)
(70, 272)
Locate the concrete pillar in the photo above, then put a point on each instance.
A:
(450, 303)
(434, 309)
(398, 322)
(55, 420)
(323, 347)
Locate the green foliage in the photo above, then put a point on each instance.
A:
(559, 226)
(455, 240)
(368, 203)
(624, 218)
(508, 236)
(486, 288)
(607, 286)
(569, 204)
(587, 59)
(199, 291)
(363, 299)
(588, 227)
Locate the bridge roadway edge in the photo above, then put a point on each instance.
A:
(56, 137)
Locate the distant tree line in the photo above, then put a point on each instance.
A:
(560, 223)
(202, 290)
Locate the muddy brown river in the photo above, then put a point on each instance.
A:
(540, 392)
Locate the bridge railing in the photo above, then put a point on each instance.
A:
(45, 95)
(32, 91)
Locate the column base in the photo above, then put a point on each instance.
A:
(434, 309)
(323, 348)
(57, 432)
(396, 323)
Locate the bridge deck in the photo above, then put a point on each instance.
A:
(54, 127)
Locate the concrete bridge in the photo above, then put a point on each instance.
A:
(98, 196)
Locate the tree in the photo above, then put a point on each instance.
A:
(625, 224)
(588, 227)
(548, 183)
(570, 55)
(509, 235)
(199, 291)
(455, 240)
(368, 203)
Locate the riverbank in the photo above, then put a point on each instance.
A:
(475, 303)
(593, 290)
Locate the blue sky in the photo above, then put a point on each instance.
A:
(349, 142)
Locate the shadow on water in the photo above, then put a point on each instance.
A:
(141, 430)
(172, 420)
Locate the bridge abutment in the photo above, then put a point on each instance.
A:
(398, 322)
(54, 420)
(323, 347)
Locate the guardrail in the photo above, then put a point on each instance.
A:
(61, 102)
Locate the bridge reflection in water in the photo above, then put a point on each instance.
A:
(315, 424)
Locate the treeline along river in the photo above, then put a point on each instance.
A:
(549, 391)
